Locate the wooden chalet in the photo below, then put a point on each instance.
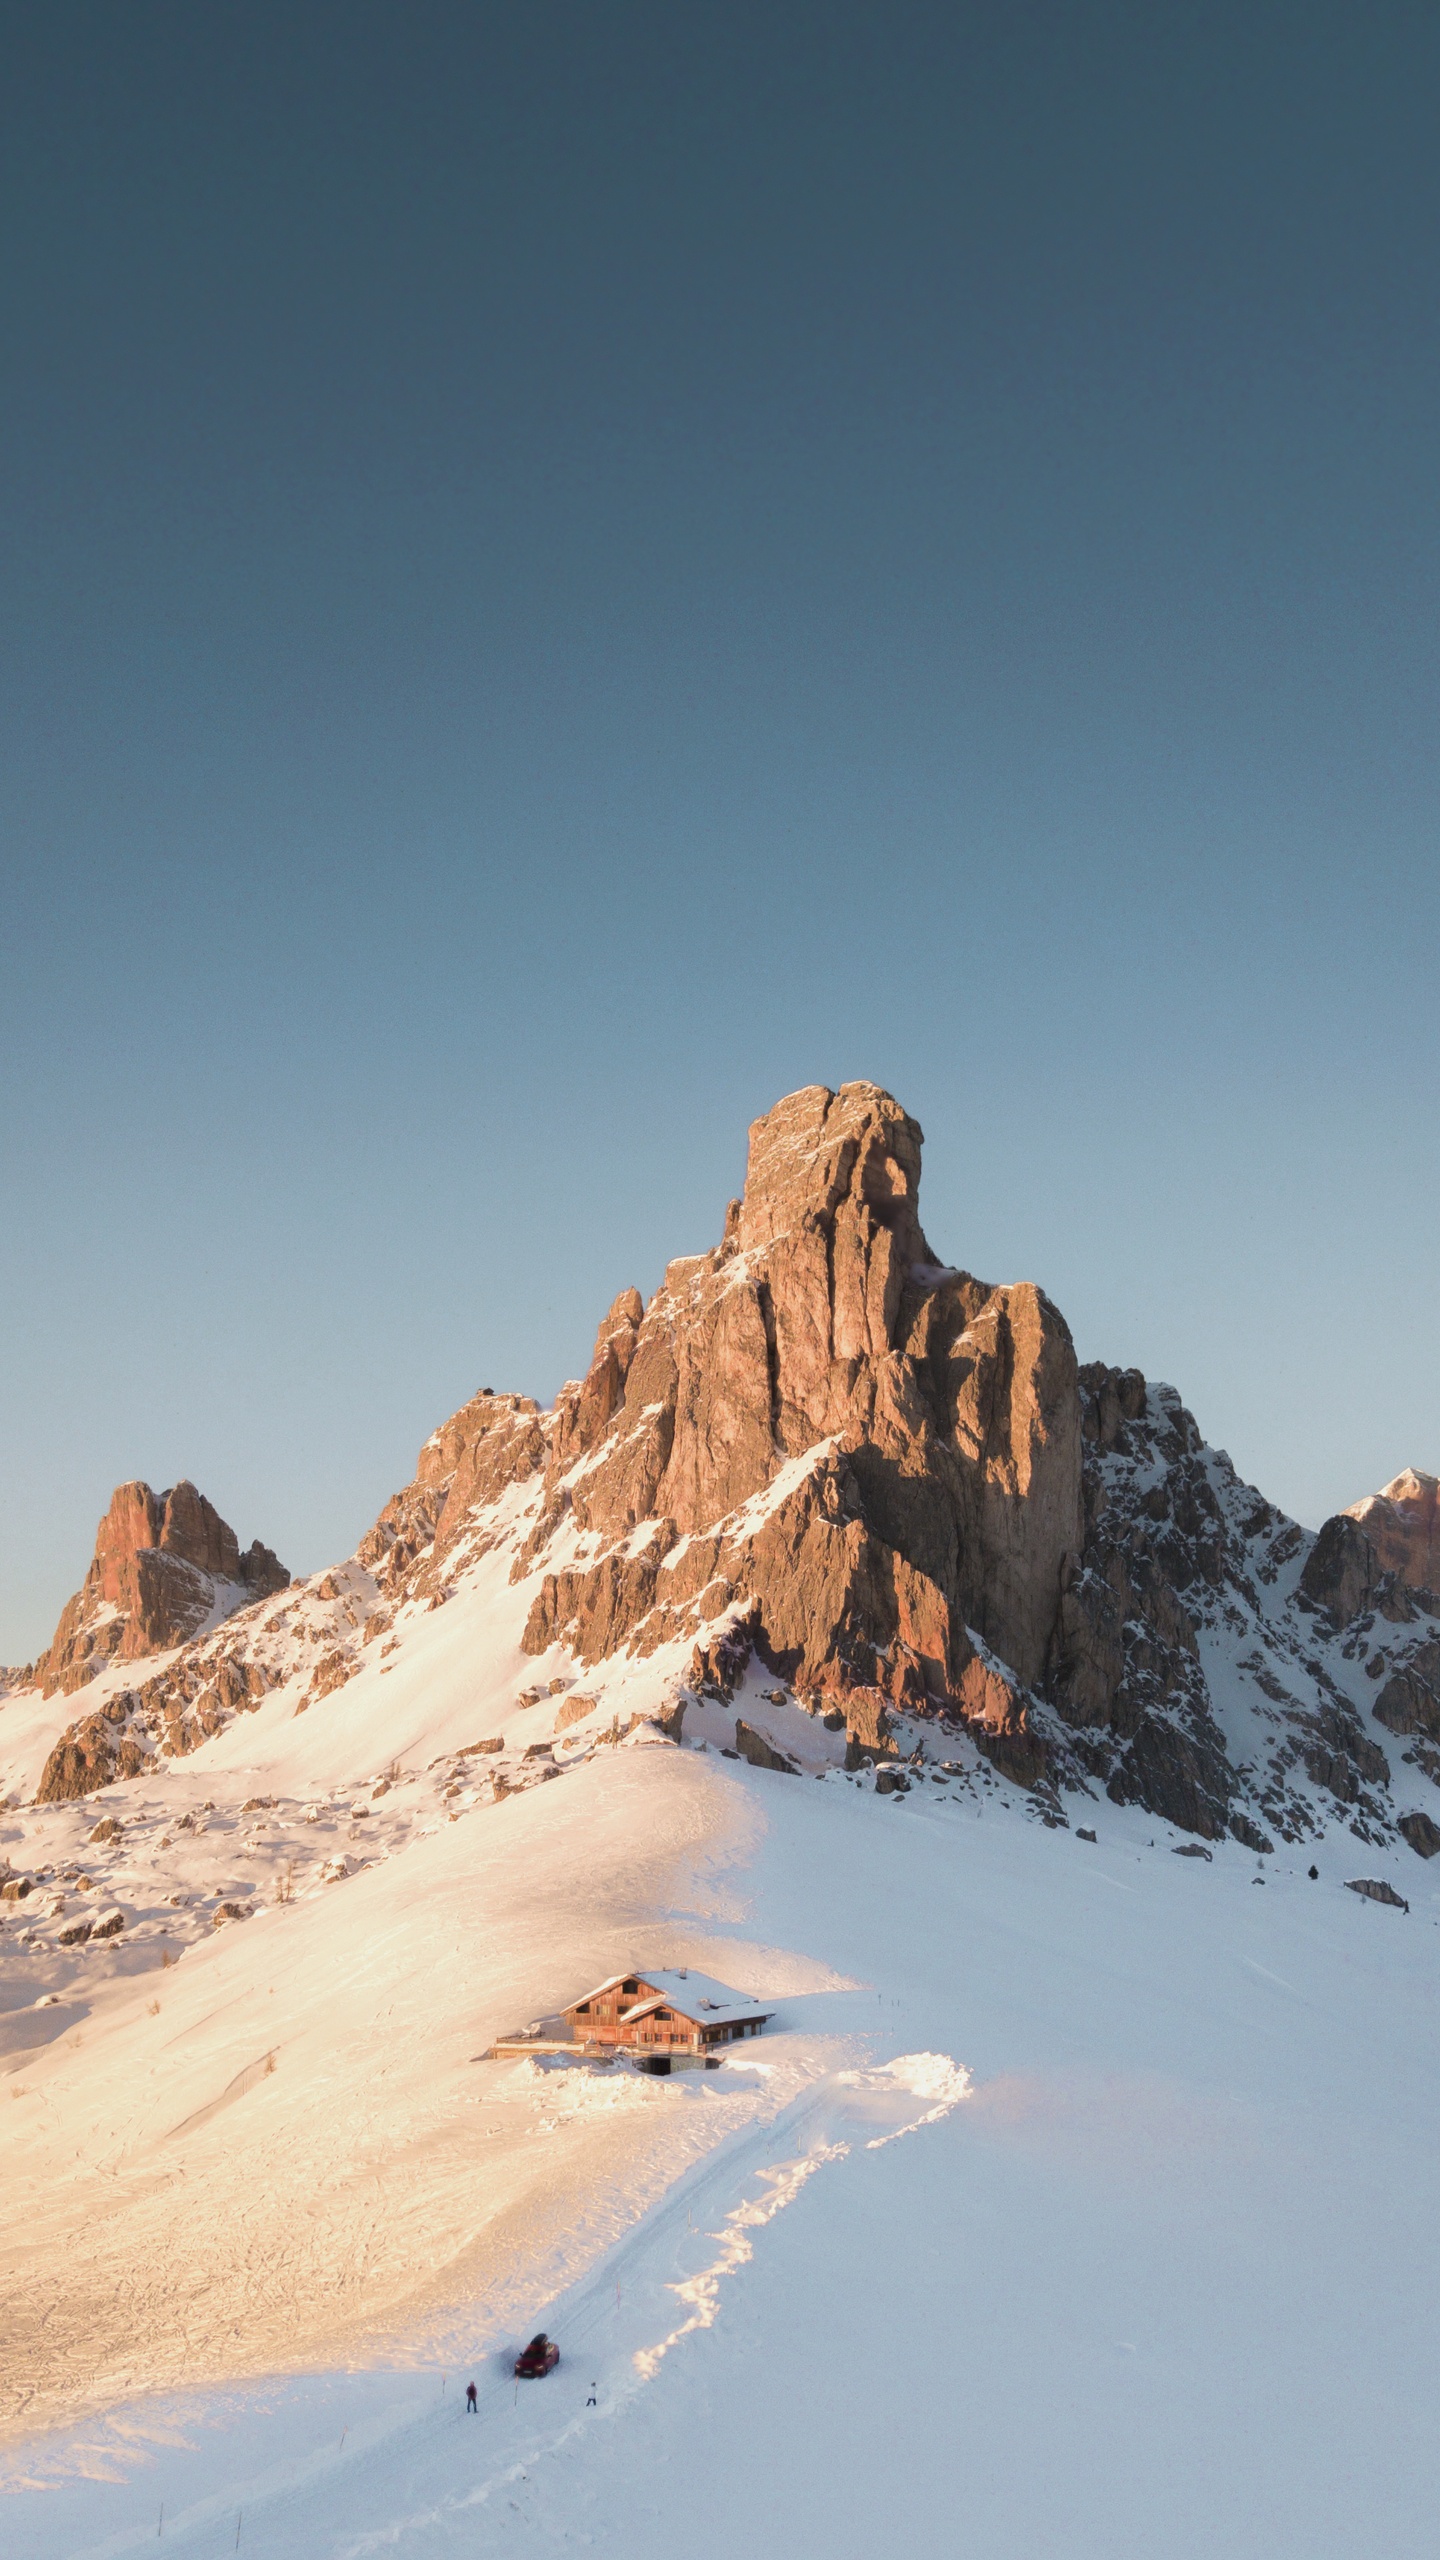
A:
(663, 2013)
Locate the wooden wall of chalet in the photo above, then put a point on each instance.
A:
(599, 2020)
(670, 2030)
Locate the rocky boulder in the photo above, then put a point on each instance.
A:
(1422, 1834)
(761, 1753)
(1375, 1889)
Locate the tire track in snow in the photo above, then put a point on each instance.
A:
(702, 2291)
(832, 2111)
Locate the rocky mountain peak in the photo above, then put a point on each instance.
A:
(179, 1522)
(818, 1152)
(1402, 1524)
(887, 1482)
(165, 1565)
(872, 1457)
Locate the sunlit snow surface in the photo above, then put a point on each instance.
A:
(1080, 2200)
(1152, 2271)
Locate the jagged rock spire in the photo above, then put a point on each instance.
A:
(940, 1416)
(164, 1564)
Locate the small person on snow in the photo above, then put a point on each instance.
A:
(470, 2405)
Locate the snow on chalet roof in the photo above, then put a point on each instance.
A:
(697, 1996)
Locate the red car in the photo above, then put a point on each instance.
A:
(539, 2358)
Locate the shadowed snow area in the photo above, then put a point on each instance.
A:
(1082, 2199)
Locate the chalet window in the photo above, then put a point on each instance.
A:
(582, 2008)
(630, 1989)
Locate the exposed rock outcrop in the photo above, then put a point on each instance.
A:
(760, 1751)
(892, 1481)
(1408, 1702)
(1376, 1890)
(165, 1566)
(172, 1712)
(1403, 1527)
(490, 1444)
(442, 1517)
(1342, 1571)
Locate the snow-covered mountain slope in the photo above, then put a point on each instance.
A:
(1083, 2199)
(322, 1729)
(347, 1905)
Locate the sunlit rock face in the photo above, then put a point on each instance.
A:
(1402, 1524)
(165, 1565)
(873, 1455)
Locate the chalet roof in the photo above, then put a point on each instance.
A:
(697, 1996)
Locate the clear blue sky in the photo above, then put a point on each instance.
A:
(567, 570)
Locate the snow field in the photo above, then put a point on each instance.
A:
(1157, 2279)
(1149, 2271)
(288, 2140)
